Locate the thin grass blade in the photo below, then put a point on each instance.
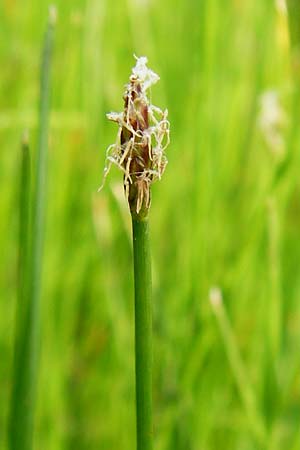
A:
(237, 367)
(20, 421)
(28, 333)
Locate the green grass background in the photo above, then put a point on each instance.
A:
(226, 214)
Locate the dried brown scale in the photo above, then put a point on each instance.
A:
(142, 131)
(136, 113)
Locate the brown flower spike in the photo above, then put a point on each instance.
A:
(142, 138)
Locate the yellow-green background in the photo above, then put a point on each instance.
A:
(225, 214)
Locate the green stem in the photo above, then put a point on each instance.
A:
(20, 418)
(143, 333)
(41, 171)
(274, 307)
(294, 24)
(293, 7)
(238, 370)
(26, 364)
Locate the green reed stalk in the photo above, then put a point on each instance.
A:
(237, 367)
(28, 327)
(143, 332)
(20, 419)
(41, 170)
(139, 152)
(293, 7)
(294, 22)
(275, 304)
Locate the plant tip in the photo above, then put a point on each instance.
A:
(52, 14)
(215, 297)
(143, 136)
(25, 137)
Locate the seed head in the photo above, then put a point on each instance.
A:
(141, 141)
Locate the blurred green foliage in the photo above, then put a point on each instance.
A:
(226, 214)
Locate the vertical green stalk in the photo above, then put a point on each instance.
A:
(143, 332)
(139, 152)
(293, 7)
(294, 22)
(275, 306)
(41, 171)
(26, 365)
(19, 417)
(237, 367)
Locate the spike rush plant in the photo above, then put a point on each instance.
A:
(31, 241)
(139, 152)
